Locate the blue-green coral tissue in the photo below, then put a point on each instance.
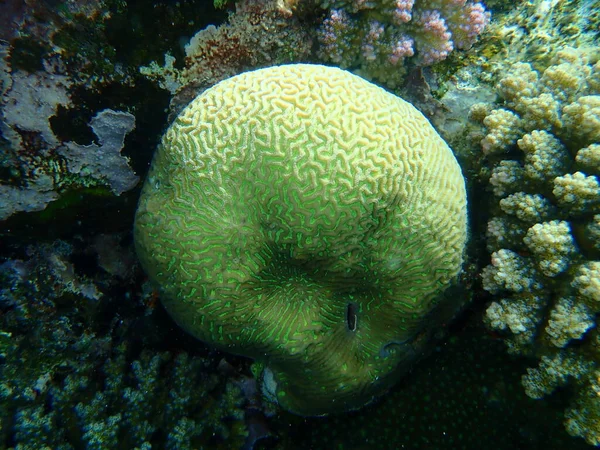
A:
(304, 217)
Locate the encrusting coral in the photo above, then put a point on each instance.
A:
(57, 59)
(284, 218)
(259, 33)
(542, 144)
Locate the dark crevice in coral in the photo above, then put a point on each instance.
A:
(146, 30)
(72, 125)
(28, 54)
(352, 316)
(91, 210)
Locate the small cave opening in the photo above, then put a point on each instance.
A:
(351, 316)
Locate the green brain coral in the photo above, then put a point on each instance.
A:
(304, 217)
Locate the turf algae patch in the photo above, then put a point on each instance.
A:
(304, 217)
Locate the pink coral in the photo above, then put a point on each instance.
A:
(403, 49)
(336, 36)
(403, 11)
(371, 41)
(435, 43)
(468, 25)
(378, 36)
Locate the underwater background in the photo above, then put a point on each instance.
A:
(89, 357)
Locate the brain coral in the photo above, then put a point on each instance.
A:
(304, 217)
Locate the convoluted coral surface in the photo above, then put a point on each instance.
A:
(307, 218)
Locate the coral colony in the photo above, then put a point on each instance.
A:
(216, 218)
(278, 228)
